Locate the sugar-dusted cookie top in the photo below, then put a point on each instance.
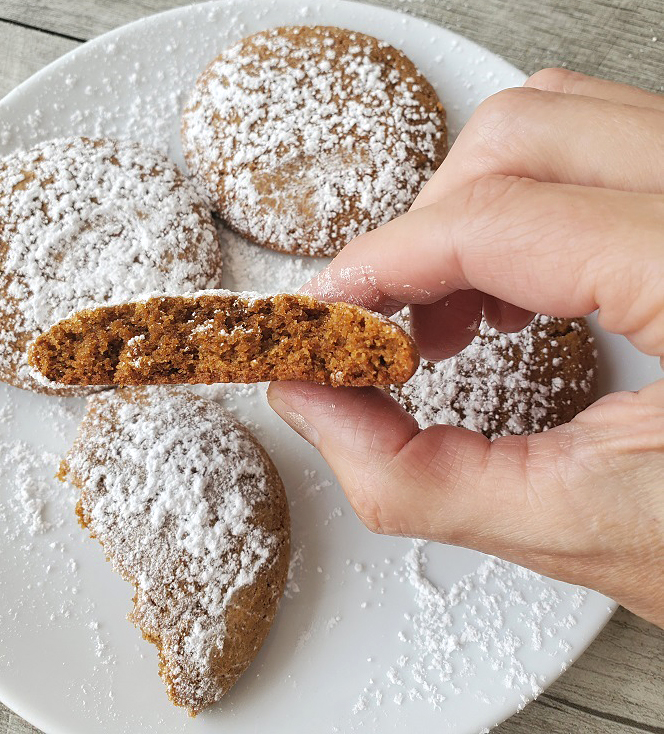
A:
(85, 222)
(188, 508)
(306, 137)
(220, 336)
(503, 384)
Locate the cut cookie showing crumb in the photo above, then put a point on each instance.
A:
(86, 222)
(189, 509)
(305, 137)
(219, 336)
(503, 384)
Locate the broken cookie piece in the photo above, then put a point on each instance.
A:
(220, 336)
(189, 509)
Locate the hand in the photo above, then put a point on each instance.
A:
(551, 200)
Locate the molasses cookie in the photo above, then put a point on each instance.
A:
(505, 384)
(189, 509)
(219, 336)
(84, 222)
(305, 137)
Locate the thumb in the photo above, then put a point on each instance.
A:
(579, 502)
(443, 483)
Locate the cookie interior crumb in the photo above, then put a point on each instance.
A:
(218, 336)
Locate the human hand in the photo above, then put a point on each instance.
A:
(551, 200)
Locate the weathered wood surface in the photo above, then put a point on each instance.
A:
(617, 686)
(618, 39)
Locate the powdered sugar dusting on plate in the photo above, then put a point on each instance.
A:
(250, 267)
(35, 517)
(493, 616)
(33, 488)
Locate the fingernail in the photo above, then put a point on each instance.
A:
(296, 421)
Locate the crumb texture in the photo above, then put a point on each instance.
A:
(189, 509)
(219, 336)
(84, 222)
(504, 384)
(305, 137)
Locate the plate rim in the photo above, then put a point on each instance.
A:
(16, 703)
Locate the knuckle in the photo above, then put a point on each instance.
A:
(371, 512)
(503, 102)
(497, 127)
(496, 114)
(553, 79)
(372, 520)
(486, 192)
(372, 501)
(497, 139)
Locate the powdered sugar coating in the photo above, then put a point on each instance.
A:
(187, 507)
(307, 137)
(503, 384)
(87, 222)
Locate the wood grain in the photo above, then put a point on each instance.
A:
(616, 39)
(10, 723)
(622, 673)
(81, 19)
(617, 686)
(621, 40)
(24, 51)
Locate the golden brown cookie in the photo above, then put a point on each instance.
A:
(84, 222)
(189, 509)
(219, 336)
(305, 137)
(504, 384)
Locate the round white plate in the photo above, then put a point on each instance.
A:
(361, 641)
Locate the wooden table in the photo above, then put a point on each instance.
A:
(617, 686)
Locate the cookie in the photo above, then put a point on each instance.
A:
(219, 336)
(189, 509)
(504, 384)
(83, 222)
(305, 137)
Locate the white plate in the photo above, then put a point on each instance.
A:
(344, 652)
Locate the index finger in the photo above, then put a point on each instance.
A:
(566, 81)
(559, 249)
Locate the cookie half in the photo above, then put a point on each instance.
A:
(503, 384)
(220, 336)
(305, 137)
(188, 508)
(85, 222)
